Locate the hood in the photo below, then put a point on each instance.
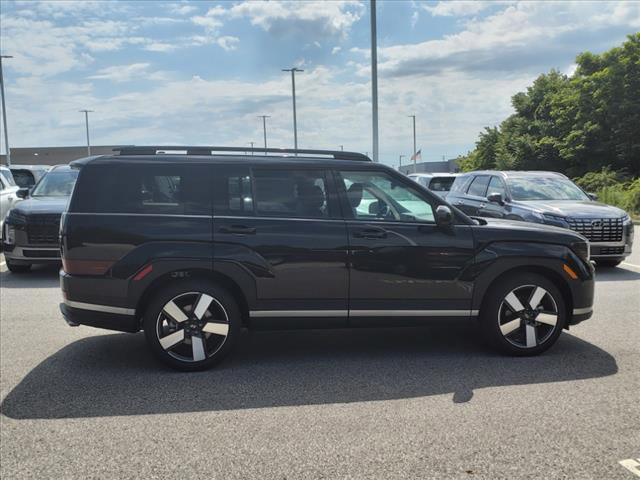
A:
(513, 230)
(33, 205)
(573, 208)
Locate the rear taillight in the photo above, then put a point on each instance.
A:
(86, 267)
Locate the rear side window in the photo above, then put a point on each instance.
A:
(479, 186)
(144, 189)
(290, 193)
(460, 183)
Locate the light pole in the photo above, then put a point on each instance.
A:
(251, 147)
(342, 148)
(293, 71)
(401, 157)
(264, 129)
(414, 142)
(4, 112)
(86, 123)
(374, 79)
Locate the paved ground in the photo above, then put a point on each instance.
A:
(417, 403)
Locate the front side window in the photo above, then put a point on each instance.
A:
(232, 191)
(7, 178)
(545, 188)
(378, 196)
(496, 185)
(290, 193)
(479, 186)
(56, 184)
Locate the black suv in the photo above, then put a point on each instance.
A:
(32, 226)
(200, 243)
(549, 198)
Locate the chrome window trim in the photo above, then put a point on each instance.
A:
(100, 308)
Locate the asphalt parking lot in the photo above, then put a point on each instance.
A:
(406, 403)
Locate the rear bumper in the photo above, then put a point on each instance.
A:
(580, 315)
(100, 319)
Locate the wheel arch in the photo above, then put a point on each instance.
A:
(194, 273)
(543, 271)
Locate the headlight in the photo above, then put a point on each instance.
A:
(582, 250)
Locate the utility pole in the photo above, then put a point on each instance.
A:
(251, 147)
(86, 123)
(374, 79)
(4, 112)
(293, 71)
(342, 148)
(414, 142)
(264, 128)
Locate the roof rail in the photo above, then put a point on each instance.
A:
(206, 150)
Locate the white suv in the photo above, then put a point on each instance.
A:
(8, 197)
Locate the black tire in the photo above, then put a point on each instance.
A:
(497, 316)
(608, 262)
(18, 268)
(157, 324)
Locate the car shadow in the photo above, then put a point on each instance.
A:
(617, 274)
(113, 375)
(40, 276)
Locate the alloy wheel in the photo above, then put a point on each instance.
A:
(528, 316)
(192, 326)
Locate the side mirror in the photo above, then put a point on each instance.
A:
(592, 196)
(444, 216)
(22, 192)
(496, 198)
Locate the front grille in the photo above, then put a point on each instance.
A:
(598, 229)
(43, 229)
(608, 251)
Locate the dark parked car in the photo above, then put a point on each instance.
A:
(549, 198)
(32, 226)
(197, 245)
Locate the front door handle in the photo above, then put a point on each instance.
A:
(238, 230)
(370, 233)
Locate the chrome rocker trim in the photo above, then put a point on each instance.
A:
(100, 308)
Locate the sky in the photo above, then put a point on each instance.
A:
(200, 73)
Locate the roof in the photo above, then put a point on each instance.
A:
(516, 173)
(433, 174)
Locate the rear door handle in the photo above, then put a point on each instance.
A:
(238, 230)
(370, 233)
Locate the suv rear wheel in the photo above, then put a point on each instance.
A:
(523, 314)
(191, 325)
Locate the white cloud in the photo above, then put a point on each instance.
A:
(160, 47)
(228, 42)
(414, 19)
(126, 73)
(335, 50)
(313, 19)
(458, 8)
(181, 8)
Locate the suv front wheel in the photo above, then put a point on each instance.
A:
(192, 325)
(523, 314)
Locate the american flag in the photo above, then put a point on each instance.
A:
(416, 156)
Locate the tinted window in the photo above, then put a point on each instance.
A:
(232, 191)
(378, 196)
(460, 183)
(290, 193)
(152, 189)
(56, 184)
(496, 185)
(479, 186)
(441, 184)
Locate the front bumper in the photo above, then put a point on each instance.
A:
(28, 255)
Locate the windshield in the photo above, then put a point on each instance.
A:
(441, 184)
(56, 184)
(545, 188)
(7, 177)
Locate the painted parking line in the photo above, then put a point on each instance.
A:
(630, 265)
(631, 464)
